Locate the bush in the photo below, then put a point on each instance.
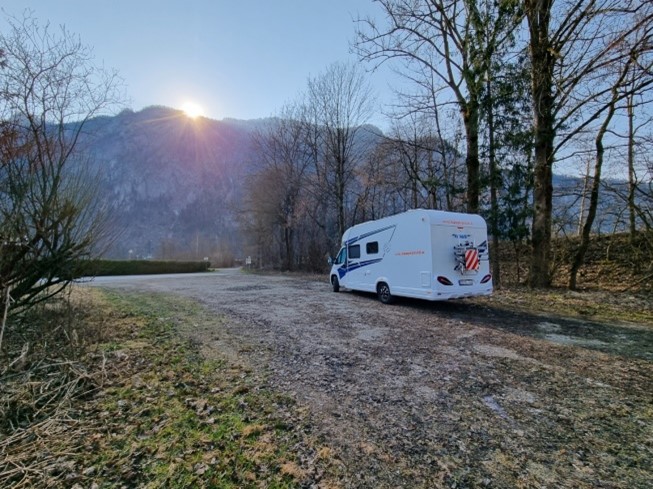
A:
(139, 267)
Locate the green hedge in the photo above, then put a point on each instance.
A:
(139, 267)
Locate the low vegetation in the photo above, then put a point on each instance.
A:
(141, 267)
(128, 402)
(601, 306)
(613, 263)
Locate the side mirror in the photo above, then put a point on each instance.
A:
(330, 260)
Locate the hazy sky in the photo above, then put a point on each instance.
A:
(235, 58)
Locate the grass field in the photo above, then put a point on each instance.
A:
(146, 410)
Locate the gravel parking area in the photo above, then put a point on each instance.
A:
(418, 394)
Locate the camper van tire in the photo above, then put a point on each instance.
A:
(383, 291)
(335, 283)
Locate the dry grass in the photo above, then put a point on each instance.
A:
(613, 263)
(606, 306)
(143, 408)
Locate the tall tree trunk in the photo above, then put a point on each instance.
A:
(538, 13)
(540, 271)
(632, 211)
(470, 120)
(288, 241)
(341, 204)
(494, 183)
(341, 161)
(414, 178)
(579, 257)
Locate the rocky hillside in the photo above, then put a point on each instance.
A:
(172, 183)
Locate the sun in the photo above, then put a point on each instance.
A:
(192, 110)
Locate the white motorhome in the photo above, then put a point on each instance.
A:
(426, 254)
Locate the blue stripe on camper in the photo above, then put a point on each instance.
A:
(371, 233)
(343, 270)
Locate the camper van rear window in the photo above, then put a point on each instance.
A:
(372, 248)
(354, 252)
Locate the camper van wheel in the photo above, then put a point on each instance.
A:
(335, 284)
(383, 291)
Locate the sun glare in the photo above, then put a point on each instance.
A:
(192, 110)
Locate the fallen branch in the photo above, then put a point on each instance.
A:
(5, 312)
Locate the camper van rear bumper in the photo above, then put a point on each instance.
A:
(441, 294)
(459, 294)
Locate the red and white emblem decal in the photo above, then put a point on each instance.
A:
(471, 259)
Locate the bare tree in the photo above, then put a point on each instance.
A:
(571, 44)
(382, 181)
(49, 214)
(451, 42)
(637, 102)
(388, 189)
(286, 161)
(433, 168)
(637, 194)
(632, 75)
(260, 217)
(339, 104)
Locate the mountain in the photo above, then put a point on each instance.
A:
(171, 182)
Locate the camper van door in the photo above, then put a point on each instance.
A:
(353, 275)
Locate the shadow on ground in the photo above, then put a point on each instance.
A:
(630, 341)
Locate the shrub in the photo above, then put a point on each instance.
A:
(139, 267)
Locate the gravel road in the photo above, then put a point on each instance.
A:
(422, 394)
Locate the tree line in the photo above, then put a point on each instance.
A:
(498, 95)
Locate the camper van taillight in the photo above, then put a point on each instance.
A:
(444, 280)
(486, 279)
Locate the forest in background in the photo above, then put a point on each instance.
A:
(498, 95)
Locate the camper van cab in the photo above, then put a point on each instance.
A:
(425, 254)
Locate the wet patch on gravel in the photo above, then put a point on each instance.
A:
(246, 288)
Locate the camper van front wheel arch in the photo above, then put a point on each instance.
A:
(383, 291)
(335, 283)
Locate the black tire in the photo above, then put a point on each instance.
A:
(335, 283)
(383, 292)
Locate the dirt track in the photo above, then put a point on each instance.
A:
(437, 394)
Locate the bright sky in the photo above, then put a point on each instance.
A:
(234, 58)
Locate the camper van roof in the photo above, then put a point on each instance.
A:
(450, 218)
(435, 217)
(439, 217)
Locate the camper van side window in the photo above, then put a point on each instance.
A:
(372, 248)
(354, 252)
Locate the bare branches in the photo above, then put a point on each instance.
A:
(580, 54)
(48, 92)
(280, 186)
(451, 44)
(339, 103)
